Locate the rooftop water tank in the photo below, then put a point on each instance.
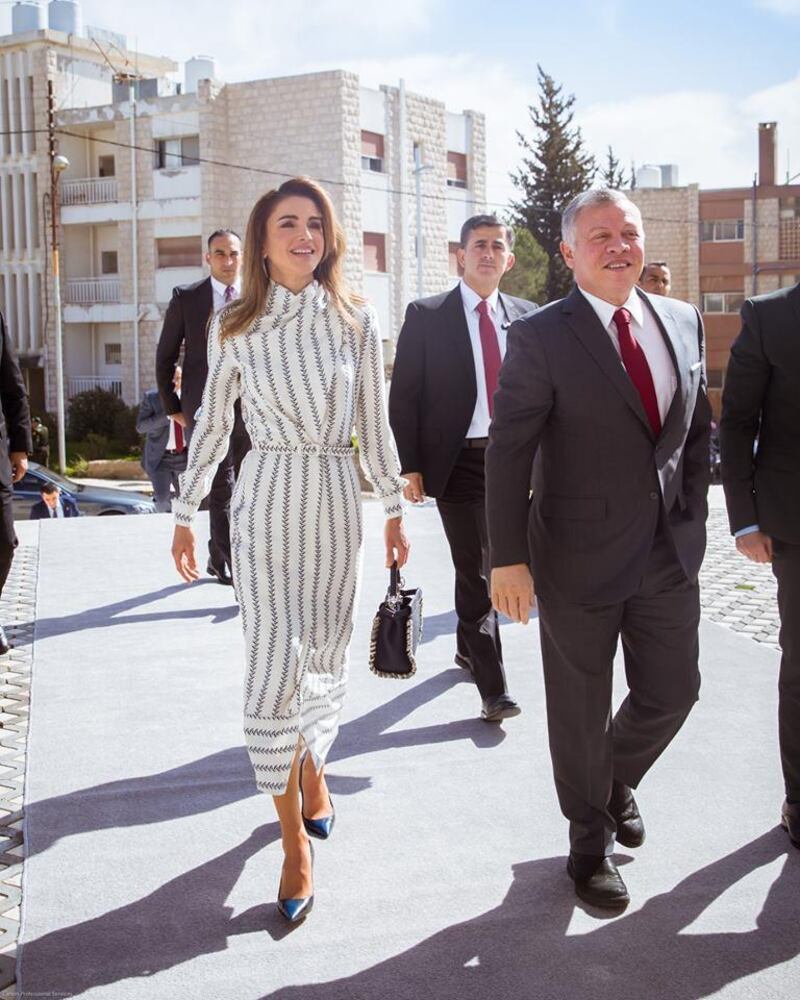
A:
(199, 68)
(648, 176)
(65, 15)
(27, 16)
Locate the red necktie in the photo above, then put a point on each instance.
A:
(637, 367)
(491, 352)
(179, 442)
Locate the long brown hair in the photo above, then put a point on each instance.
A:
(240, 316)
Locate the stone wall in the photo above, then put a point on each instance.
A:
(670, 217)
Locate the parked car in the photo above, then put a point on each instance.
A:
(100, 500)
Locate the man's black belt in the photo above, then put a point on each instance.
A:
(476, 442)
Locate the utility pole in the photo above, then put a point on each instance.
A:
(131, 79)
(419, 170)
(58, 164)
(755, 234)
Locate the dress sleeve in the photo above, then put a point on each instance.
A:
(213, 427)
(376, 445)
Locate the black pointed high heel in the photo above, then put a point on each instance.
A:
(319, 828)
(295, 910)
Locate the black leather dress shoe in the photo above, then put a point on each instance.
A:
(5, 645)
(597, 881)
(499, 708)
(622, 806)
(790, 821)
(220, 572)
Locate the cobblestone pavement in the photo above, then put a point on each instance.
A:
(17, 613)
(737, 593)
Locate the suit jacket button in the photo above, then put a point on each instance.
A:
(653, 495)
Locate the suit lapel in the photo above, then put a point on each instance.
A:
(668, 326)
(205, 306)
(459, 343)
(510, 308)
(583, 322)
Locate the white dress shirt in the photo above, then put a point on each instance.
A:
(219, 293)
(479, 428)
(57, 511)
(647, 333)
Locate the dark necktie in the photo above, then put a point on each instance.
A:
(230, 291)
(180, 443)
(491, 352)
(637, 368)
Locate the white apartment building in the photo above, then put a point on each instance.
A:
(150, 178)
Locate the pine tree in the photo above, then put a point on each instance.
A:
(555, 167)
(528, 277)
(613, 174)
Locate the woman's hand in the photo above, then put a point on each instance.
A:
(183, 552)
(397, 545)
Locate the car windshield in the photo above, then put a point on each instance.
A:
(62, 481)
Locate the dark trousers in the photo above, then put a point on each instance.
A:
(589, 749)
(165, 479)
(786, 567)
(463, 511)
(8, 536)
(219, 497)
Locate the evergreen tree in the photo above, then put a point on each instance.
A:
(555, 167)
(528, 277)
(613, 174)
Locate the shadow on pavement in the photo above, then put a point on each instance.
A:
(521, 949)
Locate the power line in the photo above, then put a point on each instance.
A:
(500, 206)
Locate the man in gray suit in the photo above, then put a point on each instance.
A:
(602, 408)
(165, 447)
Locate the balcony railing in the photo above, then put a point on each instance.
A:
(88, 291)
(789, 239)
(82, 383)
(89, 191)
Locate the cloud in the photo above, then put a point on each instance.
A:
(780, 6)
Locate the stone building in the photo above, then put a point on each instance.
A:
(155, 166)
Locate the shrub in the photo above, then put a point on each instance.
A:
(95, 446)
(125, 432)
(94, 412)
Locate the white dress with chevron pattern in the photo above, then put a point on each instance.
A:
(306, 379)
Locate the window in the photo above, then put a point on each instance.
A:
(457, 170)
(721, 230)
(722, 302)
(374, 252)
(179, 251)
(108, 262)
(454, 269)
(106, 166)
(372, 152)
(170, 154)
(113, 354)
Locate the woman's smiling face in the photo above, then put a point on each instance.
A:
(294, 242)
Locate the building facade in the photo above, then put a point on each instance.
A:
(155, 167)
(725, 245)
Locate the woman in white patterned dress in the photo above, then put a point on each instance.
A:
(304, 356)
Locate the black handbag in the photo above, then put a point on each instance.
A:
(396, 630)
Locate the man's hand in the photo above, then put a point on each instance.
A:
(756, 546)
(512, 592)
(179, 419)
(19, 465)
(414, 491)
(183, 552)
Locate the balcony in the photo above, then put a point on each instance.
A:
(789, 239)
(89, 291)
(83, 383)
(89, 191)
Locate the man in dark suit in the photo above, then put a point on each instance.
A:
(602, 410)
(53, 504)
(440, 403)
(165, 452)
(186, 328)
(760, 446)
(15, 444)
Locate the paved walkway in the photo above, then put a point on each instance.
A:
(153, 863)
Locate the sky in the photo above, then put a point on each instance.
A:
(684, 82)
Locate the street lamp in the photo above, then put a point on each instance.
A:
(58, 165)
